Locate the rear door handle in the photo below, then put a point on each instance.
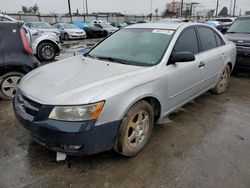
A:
(202, 64)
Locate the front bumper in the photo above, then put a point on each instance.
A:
(242, 61)
(77, 36)
(62, 136)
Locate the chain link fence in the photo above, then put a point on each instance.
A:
(50, 18)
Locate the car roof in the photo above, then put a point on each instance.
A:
(170, 26)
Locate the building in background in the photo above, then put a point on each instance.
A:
(199, 10)
(175, 7)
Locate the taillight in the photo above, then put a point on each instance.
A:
(26, 45)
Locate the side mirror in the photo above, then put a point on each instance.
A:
(181, 57)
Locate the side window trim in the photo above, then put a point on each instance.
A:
(222, 41)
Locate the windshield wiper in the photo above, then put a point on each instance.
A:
(112, 59)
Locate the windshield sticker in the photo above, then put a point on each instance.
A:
(166, 32)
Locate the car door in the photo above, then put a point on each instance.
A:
(211, 56)
(184, 78)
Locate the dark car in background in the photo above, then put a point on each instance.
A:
(239, 33)
(93, 31)
(16, 58)
(90, 30)
(107, 28)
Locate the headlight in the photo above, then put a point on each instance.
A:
(77, 113)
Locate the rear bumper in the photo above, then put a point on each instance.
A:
(72, 138)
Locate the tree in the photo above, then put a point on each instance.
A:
(30, 10)
(210, 13)
(35, 8)
(224, 12)
(247, 12)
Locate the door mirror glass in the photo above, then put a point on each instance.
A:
(181, 57)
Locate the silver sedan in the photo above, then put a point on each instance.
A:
(111, 96)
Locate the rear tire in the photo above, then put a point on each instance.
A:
(46, 51)
(223, 81)
(135, 129)
(9, 83)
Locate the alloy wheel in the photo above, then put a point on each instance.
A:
(137, 129)
(9, 85)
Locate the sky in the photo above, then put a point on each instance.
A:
(137, 7)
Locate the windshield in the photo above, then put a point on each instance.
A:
(69, 26)
(142, 47)
(240, 26)
(42, 25)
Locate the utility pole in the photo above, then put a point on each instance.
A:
(181, 7)
(151, 7)
(231, 5)
(70, 11)
(217, 6)
(83, 6)
(234, 8)
(87, 11)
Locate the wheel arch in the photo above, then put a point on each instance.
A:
(230, 66)
(152, 100)
(48, 41)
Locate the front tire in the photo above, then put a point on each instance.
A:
(9, 83)
(46, 51)
(223, 81)
(135, 130)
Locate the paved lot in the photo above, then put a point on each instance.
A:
(205, 144)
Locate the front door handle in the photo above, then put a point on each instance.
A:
(202, 64)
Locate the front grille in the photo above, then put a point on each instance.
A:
(29, 106)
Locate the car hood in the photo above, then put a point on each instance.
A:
(235, 37)
(76, 80)
(74, 30)
(49, 30)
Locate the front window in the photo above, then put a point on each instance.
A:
(240, 26)
(141, 47)
(42, 25)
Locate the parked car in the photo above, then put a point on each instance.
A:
(70, 31)
(213, 23)
(5, 17)
(108, 29)
(16, 58)
(99, 22)
(119, 25)
(93, 31)
(45, 46)
(112, 96)
(239, 33)
(224, 21)
(43, 27)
